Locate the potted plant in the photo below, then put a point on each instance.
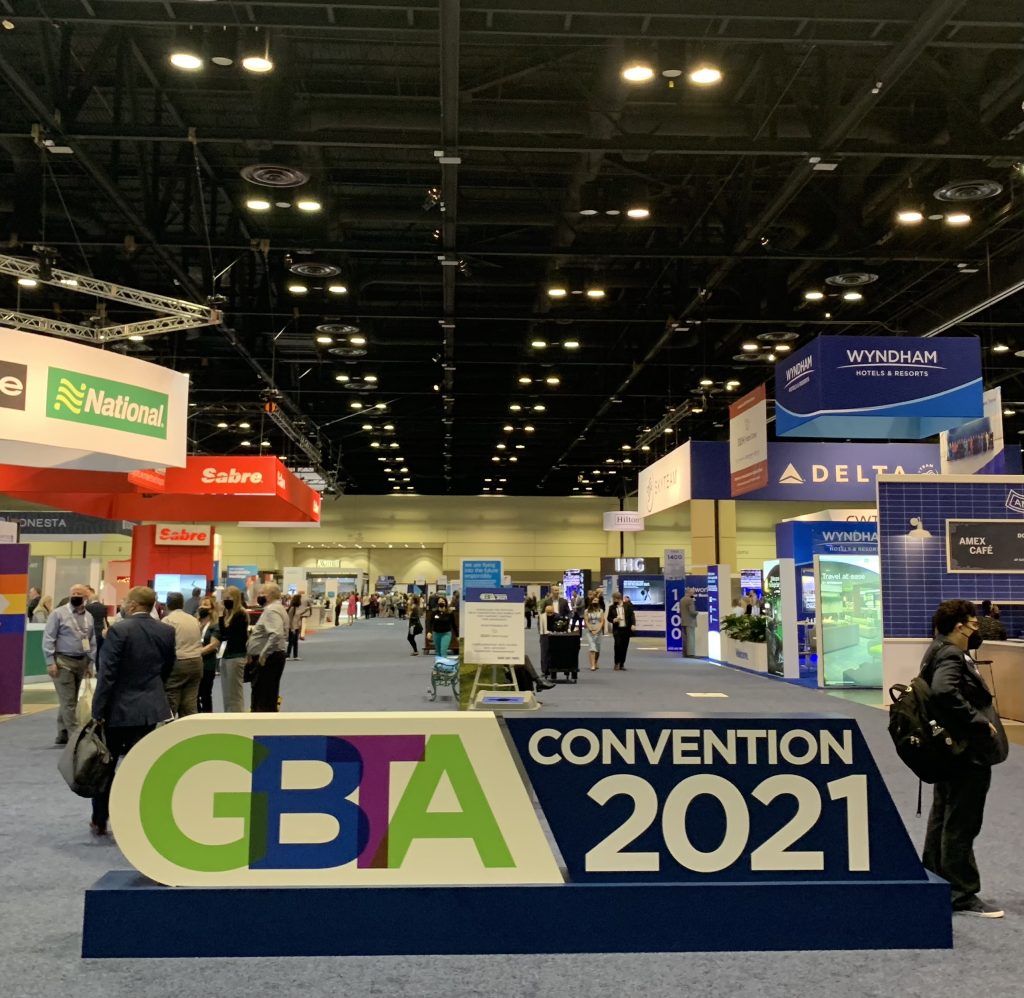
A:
(744, 642)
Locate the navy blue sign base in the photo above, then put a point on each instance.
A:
(129, 916)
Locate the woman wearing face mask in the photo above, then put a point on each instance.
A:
(209, 637)
(415, 627)
(234, 632)
(294, 625)
(440, 626)
(593, 626)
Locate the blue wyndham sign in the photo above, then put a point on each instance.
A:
(727, 798)
(481, 573)
(881, 387)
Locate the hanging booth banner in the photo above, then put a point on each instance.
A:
(675, 563)
(976, 447)
(748, 442)
(96, 410)
(666, 483)
(886, 387)
(63, 525)
(623, 521)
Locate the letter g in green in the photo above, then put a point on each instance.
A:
(156, 811)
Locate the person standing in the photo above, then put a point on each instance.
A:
(593, 623)
(622, 618)
(688, 620)
(234, 632)
(44, 607)
(34, 596)
(415, 627)
(353, 606)
(192, 603)
(129, 701)
(530, 610)
(961, 702)
(267, 649)
(209, 638)
(99, 619)
(182, 686)
(579, 604)
(295, 614)
(69, 647)
(440, 627)
(337, 609)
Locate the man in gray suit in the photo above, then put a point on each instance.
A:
(688, 618)
(137, 658)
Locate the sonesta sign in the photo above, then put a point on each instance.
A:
(183, 535)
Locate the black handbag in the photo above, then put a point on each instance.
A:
(417, 629)
(86, 763)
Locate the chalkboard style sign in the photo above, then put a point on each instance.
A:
(985, 545)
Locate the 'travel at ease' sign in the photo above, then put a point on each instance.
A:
(985, 545)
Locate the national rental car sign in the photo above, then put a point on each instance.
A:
(92, 410)
(84, 398)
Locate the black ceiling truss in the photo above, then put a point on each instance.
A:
(450, 144)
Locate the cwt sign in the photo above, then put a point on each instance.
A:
(320, 799)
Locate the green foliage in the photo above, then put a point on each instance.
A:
(745, 628)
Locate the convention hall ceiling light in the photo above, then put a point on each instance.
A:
(750, 347)
(814, 295)
(1000, 348)
(637, 71)
(222, 426)
(246, 443)
(958, 218)
(28, 282)
(571, 344)
(323, 340)
(705, 75)
(538, 344)
(257, 204)
(256, 53)
(244, 426)
(308, 205)
(852, 296)
(595, 293)
(298, 289)
(185, 54)
(557, 291)
(337, 289)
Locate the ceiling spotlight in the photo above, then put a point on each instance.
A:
(528, 428)
(645, 447)
(571, 344)
(668, 429)
(243, 426)
(337, 289)
(513, 459)
(626, 447)
(381, 405)
(28, 282)
(500, 447)
(324, 340)
(136, 338)
(909, 216)
(389, 427)
(495, 458)
(706, 382)
(264, 443)
(246, 443)
(375, 444)
(852, 296)
(782, 348)
(257, 204)
(394, 446)
(539, 408)
(732, 384)
(370, 378)
(958, 218)
(538, 344)
(813, 296)
(187, 59)
(638, 212)
(552, 379)
(557, 291)
(343, 378)
(595, 293)
(508, 428)
(705, 75)
(256, 57)
(638, 71)
(357, 341)
(308, 204)
(222, 426)
(525, 379)
(355, 405)
(749, 347)
(297, 289)
(369, 426)
(1009, 412)
(1000, 348)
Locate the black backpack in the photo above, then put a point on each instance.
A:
(926, 747)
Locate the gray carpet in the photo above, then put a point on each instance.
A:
(48, 860)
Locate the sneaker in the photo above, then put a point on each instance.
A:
(980, 909)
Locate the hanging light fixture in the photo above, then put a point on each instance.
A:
(223, 44)
(256, 53)
(186, 52)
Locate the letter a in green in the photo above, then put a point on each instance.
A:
(445, 754)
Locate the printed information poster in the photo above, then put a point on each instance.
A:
(492, 626)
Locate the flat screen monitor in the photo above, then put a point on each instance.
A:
(572, 584)
(643, 592)
(750, 578)
(165, 583)
(808, 592)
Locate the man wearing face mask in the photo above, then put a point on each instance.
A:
(961, 702)
(69, 647)
(268, 644)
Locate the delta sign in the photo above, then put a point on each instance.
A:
(879, 387)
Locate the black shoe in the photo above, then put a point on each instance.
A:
(980, 909)
(61, 739)
(97, 831)
(541, 685)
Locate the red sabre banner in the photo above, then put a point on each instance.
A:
(183, 535)
(207, 490)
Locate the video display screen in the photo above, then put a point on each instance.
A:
(184, 584)
(643, 592)
(750, 578)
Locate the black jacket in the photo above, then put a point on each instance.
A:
(137, 658)
(962, 703)
(625, 608)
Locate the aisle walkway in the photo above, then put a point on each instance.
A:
(48, 860)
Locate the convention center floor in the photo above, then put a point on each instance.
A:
(48, 860)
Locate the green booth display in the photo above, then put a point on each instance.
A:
(848, 620)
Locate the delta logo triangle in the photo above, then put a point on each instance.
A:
(791, 476)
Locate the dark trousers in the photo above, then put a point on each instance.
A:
(120, 741)
(266, 684)
(411, 638)
(204, 698)
(958, 806)
(529, 620)
(577, 622)
(293, 645)
(337, 615)
(621, 636)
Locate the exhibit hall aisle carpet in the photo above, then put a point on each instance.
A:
(48, 860)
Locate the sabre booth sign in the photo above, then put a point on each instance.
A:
(367, 832)
(183, 535)
(885, 387)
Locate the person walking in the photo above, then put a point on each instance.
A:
(69, 648)
(622, 619)
(209, 638)
(579, 604)
(962, 703)
(129, 701)
(440, 627)
(99, 619)
(267, 650)
(688, 620)
(234, 632)
(530, 610)
(593, 629)
(295, 615)
(337, 609)
(353, 606)
(415, 626)
(182, 686)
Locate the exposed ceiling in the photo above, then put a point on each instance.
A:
(451, 147)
